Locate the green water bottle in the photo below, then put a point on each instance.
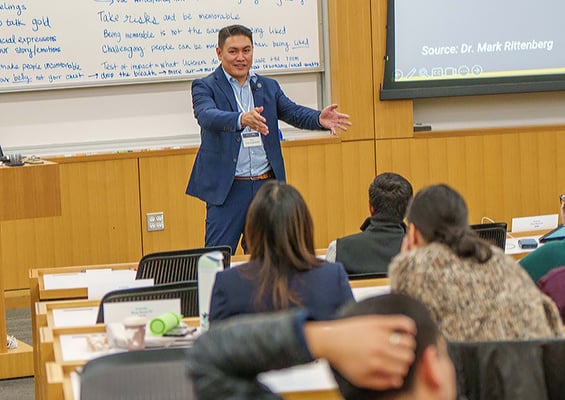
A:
(164, 323)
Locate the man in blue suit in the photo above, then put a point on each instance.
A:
(238, 113)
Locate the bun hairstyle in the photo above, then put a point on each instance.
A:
(440, 215)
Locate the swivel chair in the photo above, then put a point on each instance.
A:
(177, 265)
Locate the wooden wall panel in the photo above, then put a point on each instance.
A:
(31, 191)
(501, 175)
(332, 176)
(351, 64)
(99, 223)
(162, 186)
(334, 179)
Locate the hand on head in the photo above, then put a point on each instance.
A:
(331, 119)
(373, 351)
(255, 121)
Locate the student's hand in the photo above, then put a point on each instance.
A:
(331, 119)
(373, 352)
(255, 121)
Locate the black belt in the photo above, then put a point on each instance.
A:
(266, 175)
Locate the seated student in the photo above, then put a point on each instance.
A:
(283, 270)
(553, 285)
(381, 234)
(372, 356)
(547, 257)
(473, 290)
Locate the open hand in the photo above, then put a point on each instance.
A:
(331, 119)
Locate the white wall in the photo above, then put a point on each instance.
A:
(491, 111)
(112, 118)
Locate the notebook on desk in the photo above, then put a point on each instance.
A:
(556, 234)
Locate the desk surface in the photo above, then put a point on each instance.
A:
(310, 381)
(512, 247)
(70, 383)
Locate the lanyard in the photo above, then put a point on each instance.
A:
(240, 105)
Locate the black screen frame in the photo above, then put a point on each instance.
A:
(391, 90)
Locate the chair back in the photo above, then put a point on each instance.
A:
(177, 265)
(509, 370)
(367, 275)
(494, 233)
(158, 374)
(187, 292)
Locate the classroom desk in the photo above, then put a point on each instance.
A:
(512, 247)
(51, 352)
(39, 293)
(30, 191)
(67, 353)
(44, 305)
(61, 383)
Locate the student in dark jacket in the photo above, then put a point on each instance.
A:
(381, 234)
(283, 271)
(385, 347)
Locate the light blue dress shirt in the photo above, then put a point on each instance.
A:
(252, 161)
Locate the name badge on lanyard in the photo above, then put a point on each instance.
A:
(251, 138)
(248, 137)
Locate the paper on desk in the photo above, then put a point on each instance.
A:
(75, 384)
(117, 312)
(97, 273)
(76, 316)
(370, 291)
(74, 347)
(76, 280)
(313, 376)
(64, 281)
(512, 246)
(97, 289)
(535, 223)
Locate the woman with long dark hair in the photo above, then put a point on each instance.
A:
(473, 290)
(283, 271)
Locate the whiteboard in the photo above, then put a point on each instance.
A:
(66, 43)
(119, 118)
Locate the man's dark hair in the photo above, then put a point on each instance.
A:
(389, 194)
(394, 303)
(233, 30)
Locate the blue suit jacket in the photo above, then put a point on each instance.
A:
(216, 111)
(323, 290)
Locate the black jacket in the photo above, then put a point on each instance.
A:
(510, 370)
(225, 361)
(372, 249)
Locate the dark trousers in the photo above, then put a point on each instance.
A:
(225, 223)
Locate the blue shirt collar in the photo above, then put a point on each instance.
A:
(231, 79)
